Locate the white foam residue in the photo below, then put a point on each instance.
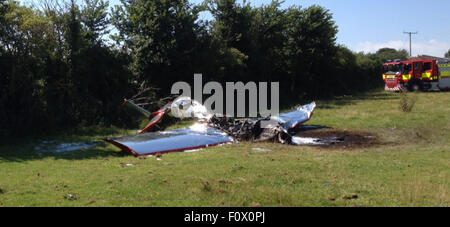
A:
(199, 127)
(193, 150)
(306, 141)
(53, 146)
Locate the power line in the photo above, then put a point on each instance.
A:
(410, 39)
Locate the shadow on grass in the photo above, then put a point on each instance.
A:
(18, 149)
(28, 152)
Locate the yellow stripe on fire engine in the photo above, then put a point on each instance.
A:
(426, 75)
(445, 74)
(384, 76)
(407, 77)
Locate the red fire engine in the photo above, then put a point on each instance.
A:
(416, 75)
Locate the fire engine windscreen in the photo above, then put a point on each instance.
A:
(393, 69)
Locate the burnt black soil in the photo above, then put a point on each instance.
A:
(341, 139)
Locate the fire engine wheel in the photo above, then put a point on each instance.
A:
(414, 86)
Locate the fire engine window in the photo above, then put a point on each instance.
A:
(416, 66)
(427, 66)
(407, 68)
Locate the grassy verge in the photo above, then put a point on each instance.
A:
(410, 169)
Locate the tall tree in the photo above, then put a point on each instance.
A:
(312, 43)
(384, 54)
(232, 37)
(162, 37)
(95, 18)
(268, 54)
(23, 47)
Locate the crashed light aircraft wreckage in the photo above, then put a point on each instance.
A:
(209, 130)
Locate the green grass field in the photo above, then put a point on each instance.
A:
(411, 167)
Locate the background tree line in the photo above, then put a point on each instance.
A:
(67, 63)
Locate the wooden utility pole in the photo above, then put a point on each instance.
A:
(410, 41)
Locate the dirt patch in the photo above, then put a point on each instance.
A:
(334, 139)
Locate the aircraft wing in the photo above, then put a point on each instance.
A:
(195, 137)
(297, 117)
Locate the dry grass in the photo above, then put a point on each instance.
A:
(407, 101)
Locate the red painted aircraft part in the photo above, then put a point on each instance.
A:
(156, 117)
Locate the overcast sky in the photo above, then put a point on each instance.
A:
(368, 25)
